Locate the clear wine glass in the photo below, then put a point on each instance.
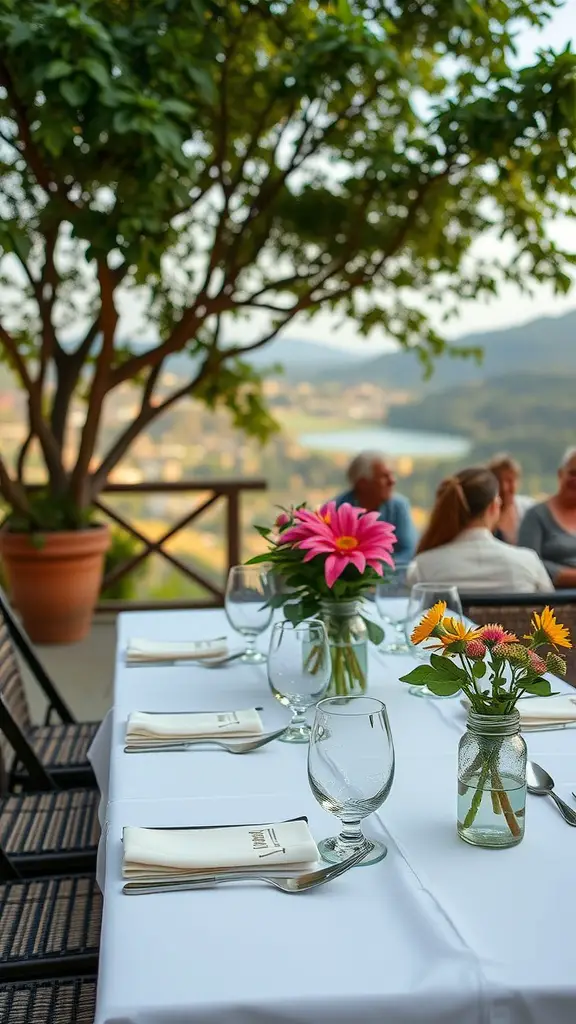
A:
(350, 770)
(248, 591)
(424, 596)
(299, 670)
(392, 605)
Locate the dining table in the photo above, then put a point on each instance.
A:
(439, 931)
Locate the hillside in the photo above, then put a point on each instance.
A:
(531, 415)
(299, 359)
(547, 344)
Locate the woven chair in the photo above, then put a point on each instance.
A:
(49, 927)
(58, 747)
(50, 833)
(56, 1001)
(514, 612)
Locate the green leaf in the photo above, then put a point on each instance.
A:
(58, 69)
(421, 676)
(203, 80)
(293, 612)
(257, 559)
(541, 687)
(444, 689)
(446, 668)
(375, 632)
(479, 669)
(75, 91)
(96, 69)
(264, 531)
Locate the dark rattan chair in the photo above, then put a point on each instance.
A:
(49, 927)
(58, 747)
(53, 832)
(56, 1001)
(514, 612)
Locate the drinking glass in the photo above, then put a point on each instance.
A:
(350, 770)
(248, 590)
(392, 605)
(299, 670)
(424, 596)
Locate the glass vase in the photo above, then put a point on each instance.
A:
(492, 781)
(348, 642)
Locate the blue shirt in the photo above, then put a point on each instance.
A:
(395, 511)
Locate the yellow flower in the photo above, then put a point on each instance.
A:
(428, 624)
(457, 631)
(548, 631)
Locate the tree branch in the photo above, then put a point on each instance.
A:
(99, 387)
(40, 171)
(12, 491)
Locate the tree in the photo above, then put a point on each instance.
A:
(234, 157)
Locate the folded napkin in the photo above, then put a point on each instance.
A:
(175, 650)
(547, 710)
(543, 710)
(141, 728)
(171, 853)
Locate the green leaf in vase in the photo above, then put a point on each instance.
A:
(375, 632)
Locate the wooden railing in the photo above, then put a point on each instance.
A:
(226, 491)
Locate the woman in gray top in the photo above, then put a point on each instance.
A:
(550, 527)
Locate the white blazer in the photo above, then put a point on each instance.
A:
(477, 562)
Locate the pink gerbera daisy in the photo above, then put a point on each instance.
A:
(495, 634)
(347, 535)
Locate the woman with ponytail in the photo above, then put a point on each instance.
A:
(458, 545)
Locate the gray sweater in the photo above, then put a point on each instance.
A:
(540, 531)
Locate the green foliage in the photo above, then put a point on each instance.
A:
(48, 513)
(238, 157)
(123, 547)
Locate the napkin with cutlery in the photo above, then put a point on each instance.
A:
(140, 649)
(142, 729)
(538, 711)
(166, 854)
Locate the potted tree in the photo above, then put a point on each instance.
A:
(220, 160)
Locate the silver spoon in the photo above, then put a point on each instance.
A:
(541, 783)
(239, 747)
(296, 883)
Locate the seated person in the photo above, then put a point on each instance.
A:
(372, 483)
(550, 527)
(514, 506)
(459, 547)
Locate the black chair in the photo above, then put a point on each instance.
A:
(54, 1001)
(49, 927)
(514, 612)
(60, 748)
(53, 832)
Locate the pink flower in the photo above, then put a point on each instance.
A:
(494, 634)
(536, 663)
(281, 520)
(475, 649)
(347, 535)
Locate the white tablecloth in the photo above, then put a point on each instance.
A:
(437, 932)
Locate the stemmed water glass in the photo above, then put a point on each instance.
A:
(350, 770)
(248, 591)
(299, 670)
(392, 605)
(423, 597)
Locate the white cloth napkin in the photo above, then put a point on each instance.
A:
(141, 728)
(543, 710)
(175, 650)
(172, 853)
(547, 710)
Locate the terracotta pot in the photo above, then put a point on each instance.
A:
(54, 580)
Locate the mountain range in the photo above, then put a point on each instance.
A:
(547, 344)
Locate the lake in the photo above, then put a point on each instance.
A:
(415, 443)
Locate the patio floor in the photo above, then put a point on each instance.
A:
(83, 672)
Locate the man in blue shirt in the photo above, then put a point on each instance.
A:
(372, 482)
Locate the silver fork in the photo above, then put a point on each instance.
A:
(286, 883)
(240, 747)
(171, 662)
